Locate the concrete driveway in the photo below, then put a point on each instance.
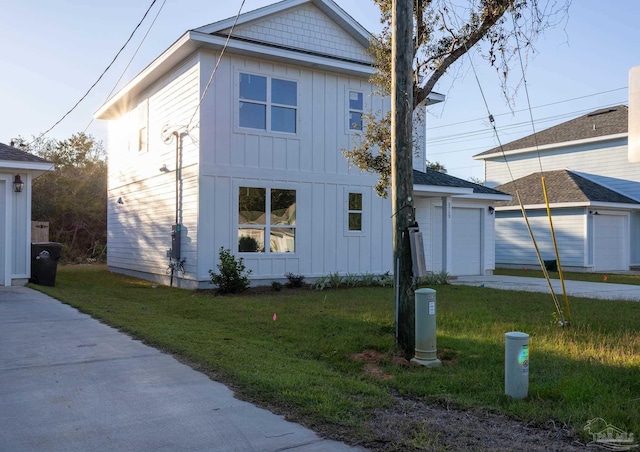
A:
(603, 290)
(70, 383)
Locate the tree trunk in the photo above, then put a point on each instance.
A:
(402, 168)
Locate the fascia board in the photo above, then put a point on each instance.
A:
(441, 190)
(487, 196)
(290, 56)
(192, 41)
(545, 147)
(565, 205)
(177, 52)
(28, 166)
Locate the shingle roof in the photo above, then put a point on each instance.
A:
(563, 186)
(599, 123)
(439, 179)
(11, 154)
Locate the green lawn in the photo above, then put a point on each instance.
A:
(611, 278)
(302, 363)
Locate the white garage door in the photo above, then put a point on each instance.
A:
(467, 244)
(609, 243)
(466, 241)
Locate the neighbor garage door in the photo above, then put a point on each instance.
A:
(466, 241)
(609, 236)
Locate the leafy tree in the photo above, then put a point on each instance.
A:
(436, 166)
(444, 31)
(73, 197)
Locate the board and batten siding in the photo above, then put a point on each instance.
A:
(309, 161)
(514, 246)
(605, 162)
(139, 229)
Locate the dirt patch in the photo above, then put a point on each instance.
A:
(369, 356)
(412, 425)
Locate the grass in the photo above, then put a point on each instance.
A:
(611, 278)
(301, 364)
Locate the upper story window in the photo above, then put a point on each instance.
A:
(268, 103)
(356, 110)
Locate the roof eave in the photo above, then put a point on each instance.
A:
(191, 41)
(565, 205)
(544, 147)
(27, 166)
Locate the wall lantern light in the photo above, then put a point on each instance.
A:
(18, 185)
(491, 210)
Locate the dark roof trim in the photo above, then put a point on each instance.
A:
(438, 179)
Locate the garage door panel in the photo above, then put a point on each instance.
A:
(467, 248)
(609, 242)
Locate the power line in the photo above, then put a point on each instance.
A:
(101, 75)
(124, 71)
(215, 69)
(533, 108)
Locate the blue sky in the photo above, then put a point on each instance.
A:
(53, 50)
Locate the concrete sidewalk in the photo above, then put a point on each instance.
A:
(70, 383)
(603, 290)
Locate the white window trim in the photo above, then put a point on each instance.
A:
(346, 211)
(142, 130)
(267, 253)
(348, 110)
(267, 103)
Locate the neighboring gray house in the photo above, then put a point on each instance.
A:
(593, 190)
(17, 171)
(256, 165)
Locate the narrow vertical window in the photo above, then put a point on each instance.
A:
(252, 219)
(356, 110)
(283, 221)
(355, 212)
(143, 126)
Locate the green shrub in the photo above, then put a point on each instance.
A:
(295, 281)
(276, 286)
(233, 277)
(433, 279)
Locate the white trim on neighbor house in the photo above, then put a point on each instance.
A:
(563, 205)
(544, 147)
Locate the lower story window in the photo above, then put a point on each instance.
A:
(355, 212)
(266, 220)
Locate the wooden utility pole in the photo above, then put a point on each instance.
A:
(402, 168)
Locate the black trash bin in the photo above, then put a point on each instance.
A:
(44, 262)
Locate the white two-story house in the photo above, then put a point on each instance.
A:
(233, 139)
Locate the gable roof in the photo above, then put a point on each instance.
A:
(331, 9)
(250, 42)
(213, 37)
(14, 159)
(603, 123)
(563, 186)
(437, 179)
